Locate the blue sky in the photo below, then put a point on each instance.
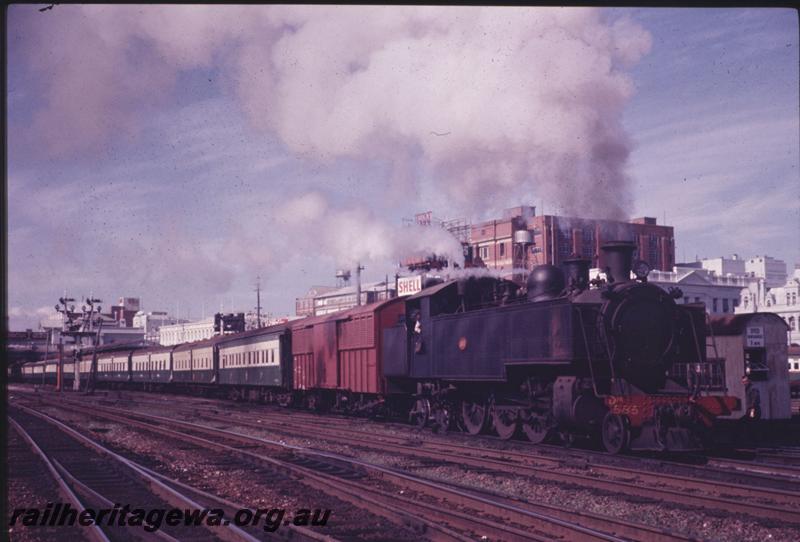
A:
(175, 155)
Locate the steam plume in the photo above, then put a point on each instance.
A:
(492, 105)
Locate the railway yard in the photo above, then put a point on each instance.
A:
(380, 481)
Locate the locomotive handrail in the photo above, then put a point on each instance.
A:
(588, 353)
(602, 328)
(696, 391)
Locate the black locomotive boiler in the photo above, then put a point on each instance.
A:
(563, 356)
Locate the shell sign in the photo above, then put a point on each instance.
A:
(409, 285)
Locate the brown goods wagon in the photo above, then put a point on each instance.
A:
(314, 353)
(342, 350)
(360, 333)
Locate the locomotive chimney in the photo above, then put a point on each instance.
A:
(576, 270)
(618, 256)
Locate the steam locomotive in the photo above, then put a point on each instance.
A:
(563, 356)
(571, 357)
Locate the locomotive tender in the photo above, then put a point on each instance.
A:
(564, 356)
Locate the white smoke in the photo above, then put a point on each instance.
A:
(497, 100)
(486, 104)
(357, 235)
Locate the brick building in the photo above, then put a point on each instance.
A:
(523, 240)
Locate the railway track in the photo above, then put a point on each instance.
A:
(466, 510)
(224, 504)
(92, 476)
(748, 484)
(714, 469)
(780, 463)
(751, 480)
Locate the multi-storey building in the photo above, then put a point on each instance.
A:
(772, 270)
(304, 306)
(783, 300)
(720, 293)
(151, 322)
(347, 297)
(522, 240)
(186, 332)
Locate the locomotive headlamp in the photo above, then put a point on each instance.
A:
(641, 269)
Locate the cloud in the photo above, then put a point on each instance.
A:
(726, 179)
(490, 99)
(172, 194)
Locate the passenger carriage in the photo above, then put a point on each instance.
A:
(194, 364)
(160, 365)
(113, 363)
(257, 364)
(27, 373)
(113, 367)
(151, 366)
(68, 373)
(51, 371)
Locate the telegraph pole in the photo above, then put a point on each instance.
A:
(359, 269)
(258, 301)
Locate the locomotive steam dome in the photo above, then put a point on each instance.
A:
(545, 282)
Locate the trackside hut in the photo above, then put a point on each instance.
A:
(755, 350)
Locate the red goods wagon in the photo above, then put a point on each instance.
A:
(360, 334)
(343, 350)
(314, 353)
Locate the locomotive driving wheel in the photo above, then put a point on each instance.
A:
(420, 413)
(505, 421)
(616, 433)
(474, 416)
(536, 428)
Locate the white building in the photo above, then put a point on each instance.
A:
(152, 321)
(781, 300)
(768, 268)
(720, 293)
(112, 330)
(186, 332)
(723, 266)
